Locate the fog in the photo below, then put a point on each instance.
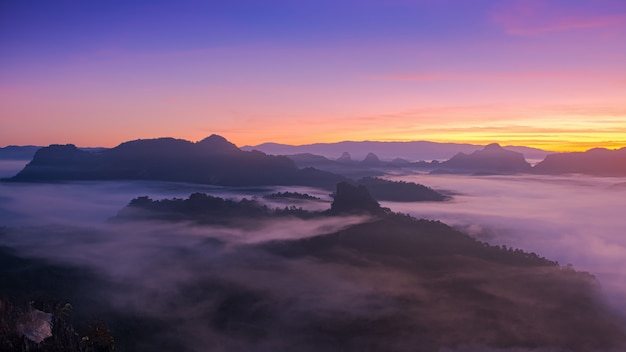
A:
(86, 202)
(576, 220)
(9, 168)
(179, 277)
(179, 274)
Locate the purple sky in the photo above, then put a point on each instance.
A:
(542, 73)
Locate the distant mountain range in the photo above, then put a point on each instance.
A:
(14, 152)
(492, 159)
(411, 151)
(217, 161)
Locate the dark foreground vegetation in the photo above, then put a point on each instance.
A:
(35, 313)
(389, 283)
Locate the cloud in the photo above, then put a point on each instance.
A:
(180, 277)
(535, 17)
(480, 76)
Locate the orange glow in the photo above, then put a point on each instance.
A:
(543, 74)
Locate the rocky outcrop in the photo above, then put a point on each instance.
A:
(345, 158)
(371, 160)
(350, 199)
(493, 159)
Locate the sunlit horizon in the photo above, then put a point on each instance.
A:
(541, 74)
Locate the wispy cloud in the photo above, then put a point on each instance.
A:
(477, 76)
(534, 17)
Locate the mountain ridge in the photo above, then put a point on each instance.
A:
(595, 161)
(493, 158)
(211, 161)
(215, 160)
(410, 150)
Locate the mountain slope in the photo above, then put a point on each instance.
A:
(213, 160)
(598, 162)
(491, 159)
(395, 283)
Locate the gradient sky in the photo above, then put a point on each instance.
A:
(544, 73)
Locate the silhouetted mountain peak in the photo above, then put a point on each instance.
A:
(57, 153)
(492, 158)
(161, 142)
(371, 159)
(353, 199)
(217, 143)
(345, 157)
(493, 147)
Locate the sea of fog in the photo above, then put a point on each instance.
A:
(578, 220)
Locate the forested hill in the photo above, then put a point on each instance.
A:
(433, 280)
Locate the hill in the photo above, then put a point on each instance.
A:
(399, 191)
(396, 283)
(596, 162)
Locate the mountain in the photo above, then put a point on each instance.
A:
(26, 152)
(412, 151)
(370, 166)
(213, 160)
(371, 159)
(488, 296)
(218, 144)
(491, 159)
(345, 158)
(14, 152)
(343, 166)
(597, 162)
(393, 283)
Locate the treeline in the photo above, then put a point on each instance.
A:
(400, 191)
(205, 209)
(291, 196)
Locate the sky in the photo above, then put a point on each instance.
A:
(543, 73)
